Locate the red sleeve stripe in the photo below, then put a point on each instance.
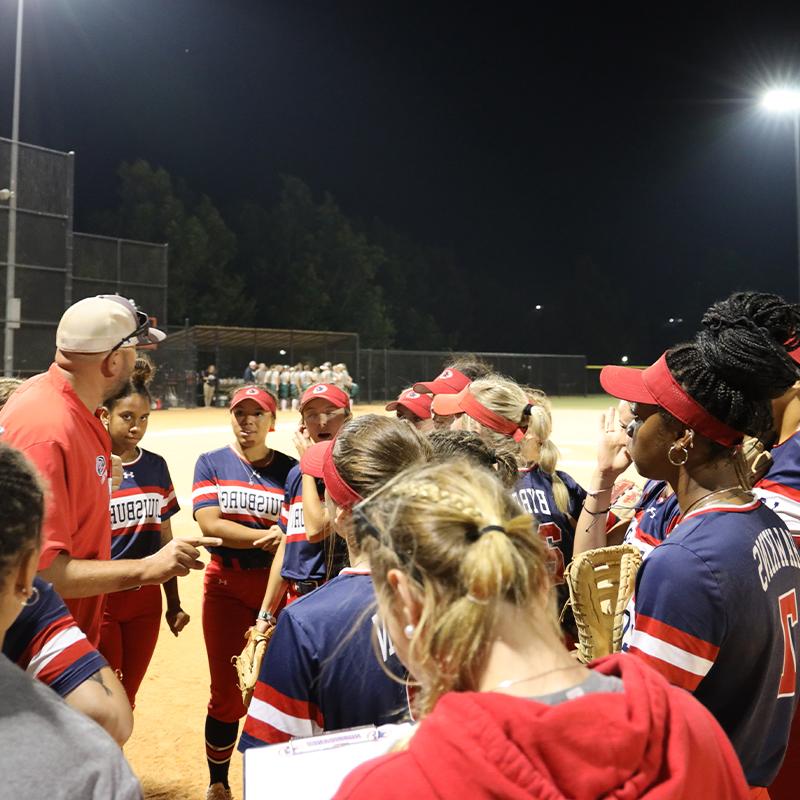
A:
(263, 731)
(296, 500)
(59, 664)
(299, 709)
(675, 637)
(675, 675)
(247, 485)
(201, 484)
(778, 488)
(249, 519)
(204, 495)
(157, 490)
(40, 639)
(53, 647)
(207, 490)
(296, 537)
(271, 717)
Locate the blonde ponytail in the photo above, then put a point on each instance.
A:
(540, 425)
(458, 535)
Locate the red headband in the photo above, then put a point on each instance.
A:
(472, 407)
(341, 493)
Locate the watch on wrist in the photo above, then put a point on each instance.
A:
(266, 616)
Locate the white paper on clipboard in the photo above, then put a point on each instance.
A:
(313, 768)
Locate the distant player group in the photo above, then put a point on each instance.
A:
(412, 566)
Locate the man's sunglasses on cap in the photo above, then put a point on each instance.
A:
(141, 333)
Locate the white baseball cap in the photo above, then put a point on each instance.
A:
(105, 322)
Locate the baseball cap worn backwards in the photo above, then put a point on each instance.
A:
(325, 391)
(105, 322)
(450, 381)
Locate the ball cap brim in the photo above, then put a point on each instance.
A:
(325, 391)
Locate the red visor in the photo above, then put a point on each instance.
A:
(465, 403)
(264, 400)
(325, 391)
(418, 404)
(318, 461)
(451, 381)
(656, 386)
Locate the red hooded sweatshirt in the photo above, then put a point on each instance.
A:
(651, 741)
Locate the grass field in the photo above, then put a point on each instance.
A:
(166, 750)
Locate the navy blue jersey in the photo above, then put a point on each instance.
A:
(45, 641)
(780, 487)
(302, 560)
(655, 515)
(321, 671)
(717, 613)
(534, 492)
(143, 500)
(251, 496)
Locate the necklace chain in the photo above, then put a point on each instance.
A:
(505, 684)
(254, 475)
(712, 494)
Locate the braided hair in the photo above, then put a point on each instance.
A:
(468, 444)
(21, 507)
(739, 361)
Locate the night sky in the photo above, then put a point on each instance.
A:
(612, 166)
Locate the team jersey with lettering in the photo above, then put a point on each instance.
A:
(144, 499)
(534, 492)
(45, 641)
(322, 673)
(780, 487)
(251, 496)
(302, 560)
(717, 613)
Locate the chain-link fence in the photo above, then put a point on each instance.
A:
(182, 358)
(385, 373)
(55, 266)
(44, 234)
(102, 265)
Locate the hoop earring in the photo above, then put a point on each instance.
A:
(409, 631)
(675, 449)
(32, 599)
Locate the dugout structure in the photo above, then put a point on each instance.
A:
(55, 265)
(385, 373)
(188, 351)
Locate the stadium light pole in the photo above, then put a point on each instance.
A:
(786, 101)
(12, 303)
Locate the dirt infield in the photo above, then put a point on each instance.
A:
(166, 750)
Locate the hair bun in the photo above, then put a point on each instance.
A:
(143, 371)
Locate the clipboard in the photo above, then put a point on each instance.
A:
(314, 767)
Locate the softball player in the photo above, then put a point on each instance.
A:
(45, 642)
(141, 509)
(320, 671)
(414, 408)
(238, 493)
(716, 603)
(300, 564)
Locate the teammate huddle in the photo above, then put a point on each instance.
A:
(413, 566)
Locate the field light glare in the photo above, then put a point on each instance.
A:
(781, 100)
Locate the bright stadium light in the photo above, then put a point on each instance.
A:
(538, 307)
(624, 359)
(781, 101)
(785, 100)
(282, 352)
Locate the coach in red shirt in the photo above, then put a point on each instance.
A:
(51, 418)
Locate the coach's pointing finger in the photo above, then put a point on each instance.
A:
(200, 541)
(176, 558)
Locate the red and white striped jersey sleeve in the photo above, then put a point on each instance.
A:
(680, 617)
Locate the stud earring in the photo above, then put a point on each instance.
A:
(409, 631)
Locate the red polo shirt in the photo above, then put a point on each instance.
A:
(71, 450)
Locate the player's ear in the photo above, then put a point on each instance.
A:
(405, 595)
(104, 415)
